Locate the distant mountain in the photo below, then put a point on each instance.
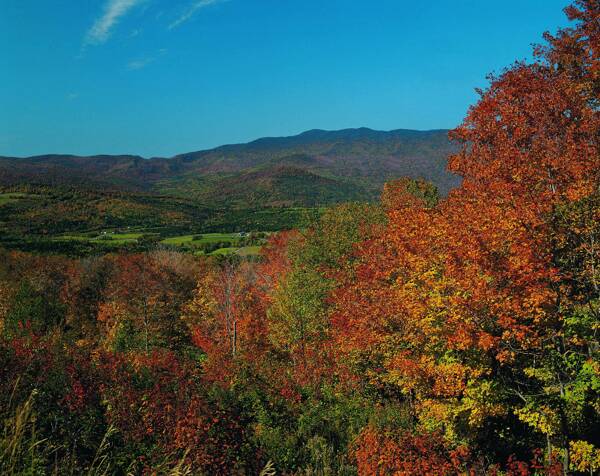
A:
(314, 168)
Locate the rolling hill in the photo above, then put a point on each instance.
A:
(269, 184)
(314, 168)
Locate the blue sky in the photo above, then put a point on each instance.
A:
(160, 77)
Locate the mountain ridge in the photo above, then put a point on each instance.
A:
(339, 165)
(309, 132)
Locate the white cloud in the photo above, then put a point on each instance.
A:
(139, 63)
(145, 61)
(192, 9)
(102, 27)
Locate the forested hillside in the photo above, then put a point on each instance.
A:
(271, 184)
(78, 220)
(421, 334)
(321, 167)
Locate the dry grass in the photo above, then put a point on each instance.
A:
(21, 450)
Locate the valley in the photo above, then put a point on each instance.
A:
(54, 203)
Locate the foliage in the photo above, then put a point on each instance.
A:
(421, 335)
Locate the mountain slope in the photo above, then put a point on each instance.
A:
(316, 167)
(281, 185)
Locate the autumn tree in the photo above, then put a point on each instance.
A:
(142, 303)
(481, 310)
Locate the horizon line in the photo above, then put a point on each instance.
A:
(232, 144)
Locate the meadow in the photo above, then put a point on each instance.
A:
(221, 244)
(11, 197)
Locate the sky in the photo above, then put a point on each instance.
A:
(162, 77)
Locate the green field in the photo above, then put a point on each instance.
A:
(224, 251)
(222, 243)
(205, 238)
(116, 238)
(11, 197)
(249, 251)
(123, 236)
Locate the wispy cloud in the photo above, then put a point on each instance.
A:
(145, 61)
(114, 10)
(72, 96)
(192, 9)
(139, 63)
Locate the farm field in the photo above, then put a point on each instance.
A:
(201, 238)
(115, 238)
(11, 197)
(200, 244)
(8, 197)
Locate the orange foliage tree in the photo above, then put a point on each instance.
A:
(469, 308)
